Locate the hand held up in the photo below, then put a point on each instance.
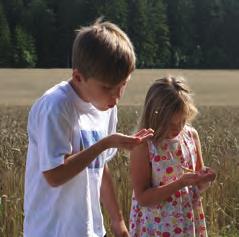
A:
(119, 140)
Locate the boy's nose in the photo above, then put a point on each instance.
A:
(114, 101)
(117, 93)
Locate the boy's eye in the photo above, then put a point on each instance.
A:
(107, 88)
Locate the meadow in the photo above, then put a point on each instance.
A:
(217, 124)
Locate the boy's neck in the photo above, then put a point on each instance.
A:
(77, 89)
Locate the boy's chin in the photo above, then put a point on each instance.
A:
(104, 107)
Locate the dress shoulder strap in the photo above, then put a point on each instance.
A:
(152, 150)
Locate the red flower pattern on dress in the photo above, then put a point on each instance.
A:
(184, 207)
(157, 219)
(177, 230)
(189, 215)
(170, 199)
(179, 152)
(157, 158)
(177, 194)
(166, 234)
(169, 170)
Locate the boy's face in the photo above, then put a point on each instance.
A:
(102, 95)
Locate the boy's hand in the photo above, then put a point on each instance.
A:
(144, 134)
(119, 140)
(119, 229)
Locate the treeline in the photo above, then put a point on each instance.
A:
(165, 33)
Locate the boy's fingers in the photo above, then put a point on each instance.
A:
(140, 132)
(137, 138)
(131, 139)
(144, 133)
(145, 137)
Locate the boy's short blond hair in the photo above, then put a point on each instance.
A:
(104, 52)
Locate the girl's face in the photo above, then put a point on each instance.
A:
(176, 125)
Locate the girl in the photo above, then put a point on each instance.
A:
(168, 171)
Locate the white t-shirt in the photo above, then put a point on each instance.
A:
(61, 123)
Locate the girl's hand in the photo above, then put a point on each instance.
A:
(119, 140)
(203, 176)
(119, 229)
(208, 175)
(189, 179)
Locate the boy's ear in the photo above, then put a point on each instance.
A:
(76, 75)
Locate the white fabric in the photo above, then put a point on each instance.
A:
(61, 123)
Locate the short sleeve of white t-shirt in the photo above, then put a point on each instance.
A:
(54, 131)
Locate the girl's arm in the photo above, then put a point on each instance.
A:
(140, 169)
(199, 162)
(109, 201)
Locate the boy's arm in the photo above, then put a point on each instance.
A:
(75, 163)
(109, 201)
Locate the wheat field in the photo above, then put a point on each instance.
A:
(217, 124)
(211, 87)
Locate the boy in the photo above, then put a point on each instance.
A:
(71, 131)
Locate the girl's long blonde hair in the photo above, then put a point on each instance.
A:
(165, 98)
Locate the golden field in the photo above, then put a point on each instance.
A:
(211, 87)
(217, 124)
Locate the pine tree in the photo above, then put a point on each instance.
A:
(140, 33)
(5, 40)
(24, 51)
(157, 22)
(114, 10)
(182, 34)
(39, 20)
(209, 18)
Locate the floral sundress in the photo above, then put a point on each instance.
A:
(181, 215)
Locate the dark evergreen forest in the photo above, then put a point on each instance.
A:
(165, 33)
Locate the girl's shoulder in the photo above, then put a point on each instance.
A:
(190, 130)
